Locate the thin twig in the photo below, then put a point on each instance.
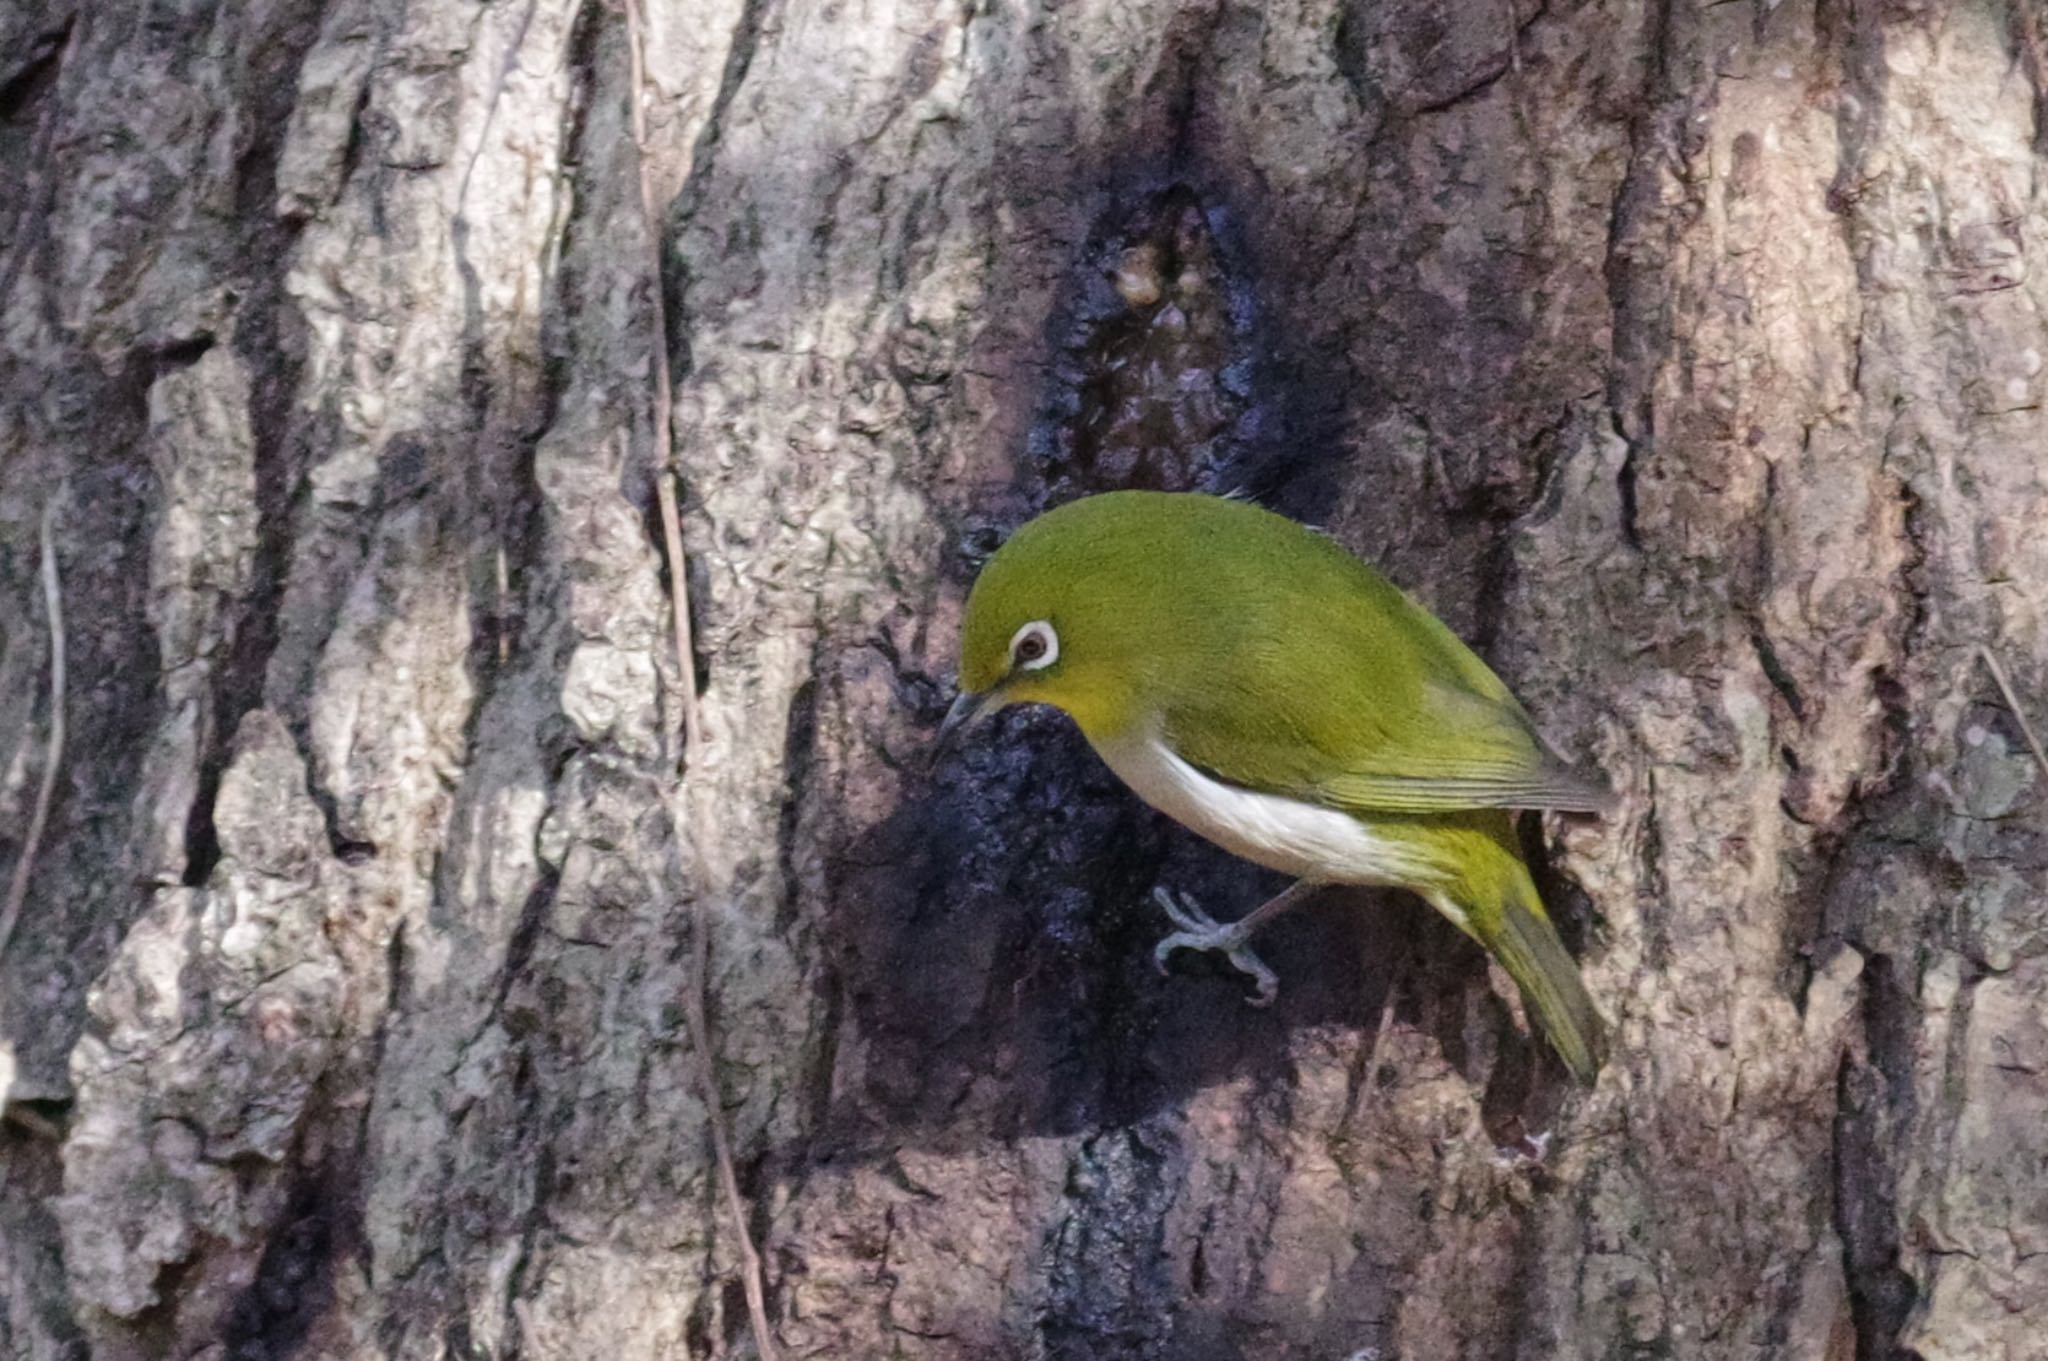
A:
(2012, 702)
(1370, 1085)
(664, 439)
(695, 987)
(53, 756)
(491, 110)
(26, 1117)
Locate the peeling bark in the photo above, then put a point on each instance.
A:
(1689, 360)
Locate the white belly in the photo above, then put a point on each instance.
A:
(1303, 839)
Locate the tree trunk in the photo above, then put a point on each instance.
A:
(1688, 359)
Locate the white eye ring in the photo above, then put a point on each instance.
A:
(1034, 647)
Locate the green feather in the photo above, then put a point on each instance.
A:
(1483, 886)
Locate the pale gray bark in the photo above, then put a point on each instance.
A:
(1688, 359)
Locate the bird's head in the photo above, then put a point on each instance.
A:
(1062, 615)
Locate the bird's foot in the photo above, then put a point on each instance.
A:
(1197, 930)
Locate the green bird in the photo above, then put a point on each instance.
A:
(1252, 680)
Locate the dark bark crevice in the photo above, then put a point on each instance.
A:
(1867, 1127)
(1637, 295)
(269, 342)
(29, 101)
(317, 1230)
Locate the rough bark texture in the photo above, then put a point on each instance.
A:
(1687, 358)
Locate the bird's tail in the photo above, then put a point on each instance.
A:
(1516, 930)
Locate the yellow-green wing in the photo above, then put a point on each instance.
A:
(1341, 690)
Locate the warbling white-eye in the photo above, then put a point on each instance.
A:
(1251, 679)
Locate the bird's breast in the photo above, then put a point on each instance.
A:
(1303, 839)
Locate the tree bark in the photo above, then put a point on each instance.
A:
(1688, 359)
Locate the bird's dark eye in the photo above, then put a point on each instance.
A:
(1034, 647)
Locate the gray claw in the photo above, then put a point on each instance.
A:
(1199, 931)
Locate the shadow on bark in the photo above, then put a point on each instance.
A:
(993, 937)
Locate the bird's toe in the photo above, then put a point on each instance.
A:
(1266, 983)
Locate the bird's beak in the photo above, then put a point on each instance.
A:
(969, 709)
